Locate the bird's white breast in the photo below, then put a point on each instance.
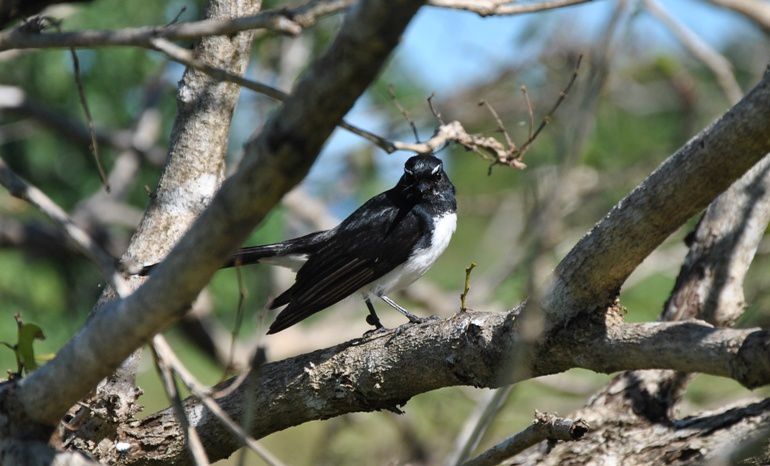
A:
(420, 260)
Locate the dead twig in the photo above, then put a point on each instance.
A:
(404, 112)
(467, 286)
(502, 7)
(172, 392)
(545, 427)
(202, 393)
(19, 188)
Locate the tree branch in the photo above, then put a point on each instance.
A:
(758, 12)
(718, 64)
(546, 427)
(385, 371)
(590, 276)
(285, 20)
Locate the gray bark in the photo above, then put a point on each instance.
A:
(709, 286)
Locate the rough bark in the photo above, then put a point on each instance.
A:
(470, 348)
(710, 287)
(689, 441)
(706, 165)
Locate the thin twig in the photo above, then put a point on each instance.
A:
(404, 112)
(547, 118)
(530, 111)
(194, 443)
(545, 427)
(285, 20)
(498, 8)
(500, 125)
(477, 423)
(36, 26)
(434, 110)
(25, 191)
(94, 146)
(467, 286)
(162, 347)
(184, 56)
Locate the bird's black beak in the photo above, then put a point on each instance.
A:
(422, 187)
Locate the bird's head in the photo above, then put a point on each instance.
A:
(424, 176)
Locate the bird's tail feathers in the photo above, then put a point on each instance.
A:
(293, 249)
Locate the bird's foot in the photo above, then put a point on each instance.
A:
(376, 331)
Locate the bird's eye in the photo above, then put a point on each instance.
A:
(408, 175)
(436, 176)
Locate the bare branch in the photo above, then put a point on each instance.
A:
(490, 148)
(94, 145)
(477, 424)
(193, 441)
(718, 64)
(186, 57)
(470, 348)
(285, 20)
(23, 190)
(758, 12)
(503, 7)
(657, 207)
(545, 427)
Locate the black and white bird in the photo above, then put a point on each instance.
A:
(382, 247)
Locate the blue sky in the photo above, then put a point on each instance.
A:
(447, 48)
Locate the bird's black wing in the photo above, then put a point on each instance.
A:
(374, 240)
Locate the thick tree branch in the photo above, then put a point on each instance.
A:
(709, 286)
(274, 162)
(385, 371)
(593, 271)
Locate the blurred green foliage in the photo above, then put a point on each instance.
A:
(630, 135)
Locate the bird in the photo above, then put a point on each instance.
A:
(383, 246)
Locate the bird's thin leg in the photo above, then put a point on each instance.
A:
(412, 318)
(372, 318)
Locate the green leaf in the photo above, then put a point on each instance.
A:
(25, 352)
